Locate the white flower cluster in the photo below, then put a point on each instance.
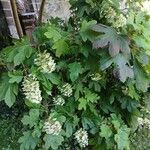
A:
(109, 13)
(82, 137)
(96, 77)
(58, 100)
(144, 122)
(52, 126)
(112, 17)
(45, 62)
(31, 89)
(120, 21)
(66, 90)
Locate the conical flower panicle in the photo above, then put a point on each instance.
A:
(58, 100)
(31, 89)
(82, 137)
(66, 90)
(45, 62)
(144, 123)
(52, 126)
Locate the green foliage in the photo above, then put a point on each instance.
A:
(88, 98)
(122, 138)
(8, 92)
(32, 118)
(75, 69)
(53, 33)
(116, 42)
(96, 78)
(105, 131)
(15, 77)
(85, 31)
(61, 47)
(28, 141)
(53, 141)
(20, 52)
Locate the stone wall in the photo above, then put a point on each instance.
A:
(9, 17)
(55, 8)
(4, 31)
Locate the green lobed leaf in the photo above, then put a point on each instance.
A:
(24, 52)
(54, 78)
(27, 141)
(82, 103)
(122, 138)
(52, 141)
(10, 95)
(115, 42)
(142, 80)
(15, 77)
(3, 88)
(75, 69)
(61, 47)
(69, 128)
(90, 96)
(19, 52)
(53, 33)
(85, 31)
(124, 70)
(32, 118)
(106, 131)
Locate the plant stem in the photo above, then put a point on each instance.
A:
(41, 11)
(16, 18)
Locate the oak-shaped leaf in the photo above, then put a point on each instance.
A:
(110, 38)
(61, 47)
(52, 141)
(21, 51)
(32, 118)
(75, 69)
(124, 70)
(27, 141)
(142, 80)
(122, 138)
(105, 131)
(53, 33)
(85, 31)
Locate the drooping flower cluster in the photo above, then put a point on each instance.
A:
(96, 77)
(66, 90)
(109, 13)
(52, 126)
(112, 17)
(120, 21)
(82, 137)
(31, 89)
(58, 100)
(144, 123)
(45, 62)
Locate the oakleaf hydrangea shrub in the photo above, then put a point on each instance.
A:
(86, 82)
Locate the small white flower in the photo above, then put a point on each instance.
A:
(58, 100)
(66, 90)
(140, 121)
(120, 21)
(109, 13)
(144, 123)
(31, 89)
(45, 62)
(96, 77)
(52, 127)
(146, 6)
(82, 137)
